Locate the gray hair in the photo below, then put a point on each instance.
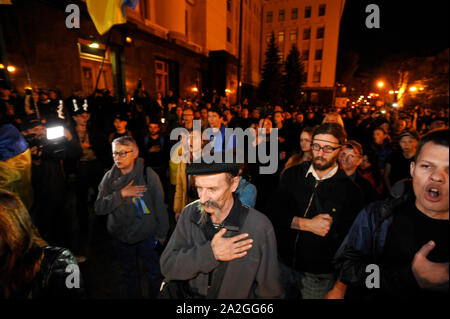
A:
(125, 140)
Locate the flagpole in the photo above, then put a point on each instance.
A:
(103, 60)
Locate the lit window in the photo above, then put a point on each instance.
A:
(281, 36)
(293, 35)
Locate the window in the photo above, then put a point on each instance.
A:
(281, 15)
(281, 36)
(294, 14)
(293, 35)
(317, 72)
(320, 32)
(307, 12)
(318, 54)
(306, 34)
(281, 56)
(228, 34)
(305, 54)
(269, 16)
(228, 5)
(322, 9)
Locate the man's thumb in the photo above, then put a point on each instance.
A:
(221, 232)
(130, 183)
(425, 250)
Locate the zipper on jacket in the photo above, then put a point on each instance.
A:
(304, 215)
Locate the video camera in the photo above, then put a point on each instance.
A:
(49, 144)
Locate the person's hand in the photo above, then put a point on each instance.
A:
(67, 134)
(428, 274)
(133, 191)
(227, 249)
(320, 224)
(337, 292)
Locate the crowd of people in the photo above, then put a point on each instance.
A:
(314, 220)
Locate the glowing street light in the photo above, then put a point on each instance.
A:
(391, 92)
(94, 45)
(11, 69)
(194, 89)
(412, 89)
(380, 84)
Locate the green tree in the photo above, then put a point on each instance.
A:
(293, 78)
(270, 86)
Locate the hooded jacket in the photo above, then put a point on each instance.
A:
(126, 221)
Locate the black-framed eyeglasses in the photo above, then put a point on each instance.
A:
(121, 154)
(326, 148)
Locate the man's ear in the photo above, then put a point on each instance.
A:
(412, 168)
(235, 183)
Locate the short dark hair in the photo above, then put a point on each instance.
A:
(438, 137)
(333, 129)
(217, 110)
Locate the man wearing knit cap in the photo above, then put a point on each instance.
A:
(220, 247)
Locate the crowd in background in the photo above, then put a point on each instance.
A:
(67, 173)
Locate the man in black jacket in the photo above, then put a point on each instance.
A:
(315, 206)
(405, 239)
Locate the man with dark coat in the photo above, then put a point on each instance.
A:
(221, 247)
(399, 248)
(313, 208)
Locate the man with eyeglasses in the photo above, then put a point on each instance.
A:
(313, 208)
(132, 197)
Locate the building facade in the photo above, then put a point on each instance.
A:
(313, 26)
(188, 46)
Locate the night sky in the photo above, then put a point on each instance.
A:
(414, 27)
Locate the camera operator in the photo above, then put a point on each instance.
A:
(48, 179)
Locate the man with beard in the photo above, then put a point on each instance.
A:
(221, 248)
(406, 237)
(313, 208)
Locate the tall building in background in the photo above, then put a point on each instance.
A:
(312, 25)
(188, 46)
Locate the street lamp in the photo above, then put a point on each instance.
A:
(380, 84)
(412, 89)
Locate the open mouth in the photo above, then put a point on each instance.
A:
(433, 193)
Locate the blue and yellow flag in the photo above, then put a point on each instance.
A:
(15, 164)
(106, 13)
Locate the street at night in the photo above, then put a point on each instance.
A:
(236, 150)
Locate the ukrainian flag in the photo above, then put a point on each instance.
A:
(106, 13)
(15, 164)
